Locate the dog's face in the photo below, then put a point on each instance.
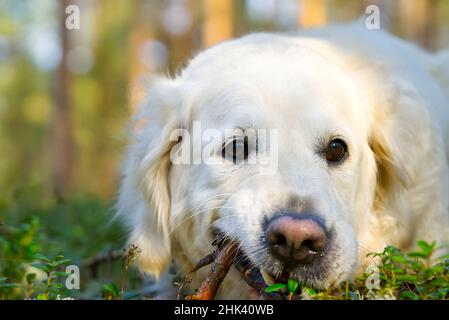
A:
(299, 212)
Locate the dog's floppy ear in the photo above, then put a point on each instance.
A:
(144, 199)
(393, 141)
(390, 135)
(391, 173)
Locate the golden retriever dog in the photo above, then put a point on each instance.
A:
(309, 149)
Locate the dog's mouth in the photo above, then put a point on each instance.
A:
(260, 279)
(227, 254)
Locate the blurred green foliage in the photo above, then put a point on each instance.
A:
(35, 253)
(44, 235)
(418, 275)
(99, 98)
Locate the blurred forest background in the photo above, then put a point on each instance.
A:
(66, 97)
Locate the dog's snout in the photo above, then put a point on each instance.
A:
(295, 239)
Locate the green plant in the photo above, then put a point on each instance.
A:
(110, 290)
(80, 227)
(292, 286)
(18, 246)
(6, 286)
(394, 275)
(416, 275)
(31, 224)
(50, 286)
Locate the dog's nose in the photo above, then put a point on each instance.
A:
(295, 238)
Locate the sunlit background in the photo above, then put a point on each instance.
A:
(62, 124)
(66, 95)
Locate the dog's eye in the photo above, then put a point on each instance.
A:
(236, 149)
(336, 150)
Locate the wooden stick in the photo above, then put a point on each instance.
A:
(224, 258)
(205, 261)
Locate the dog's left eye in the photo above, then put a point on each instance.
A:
(336, 151)
(236, 149)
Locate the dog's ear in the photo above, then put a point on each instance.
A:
(393, 140)
(390, 135)
(144, 199)
(392, 175)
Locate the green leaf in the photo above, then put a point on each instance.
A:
(418, 255)
(442, 293)
(292, 285)
(42, 296)
(112, 289)
(407, 278)
(409, 295)
(65, 261)
(61, 274)
(30, 277)
(55, 263)
(40, 256)
(275, 287)
(426, 246)
(417, 266)
(310, 291)
(399, 271)
(438, 268)
(400, 259)
(41, 266)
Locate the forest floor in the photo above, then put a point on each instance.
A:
(72, 249)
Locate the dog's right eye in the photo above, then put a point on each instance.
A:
(236, 149)
(336, 151)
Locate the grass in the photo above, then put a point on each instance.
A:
(36, 230)
(416, 275)
(41, 237)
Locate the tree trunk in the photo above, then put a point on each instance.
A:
(63, 140)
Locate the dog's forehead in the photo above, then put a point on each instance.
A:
(266, 60)
(268, 85)
(247, 104)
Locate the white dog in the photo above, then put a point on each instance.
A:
(357, 125)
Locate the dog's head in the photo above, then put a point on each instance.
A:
(266, 140)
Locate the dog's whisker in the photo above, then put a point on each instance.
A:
(190, 217)
(209, 199)
(195, 214)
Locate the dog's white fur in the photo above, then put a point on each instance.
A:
(386, 97)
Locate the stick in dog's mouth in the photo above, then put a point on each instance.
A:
(226, 254)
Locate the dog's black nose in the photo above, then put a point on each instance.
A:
(295, 238)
